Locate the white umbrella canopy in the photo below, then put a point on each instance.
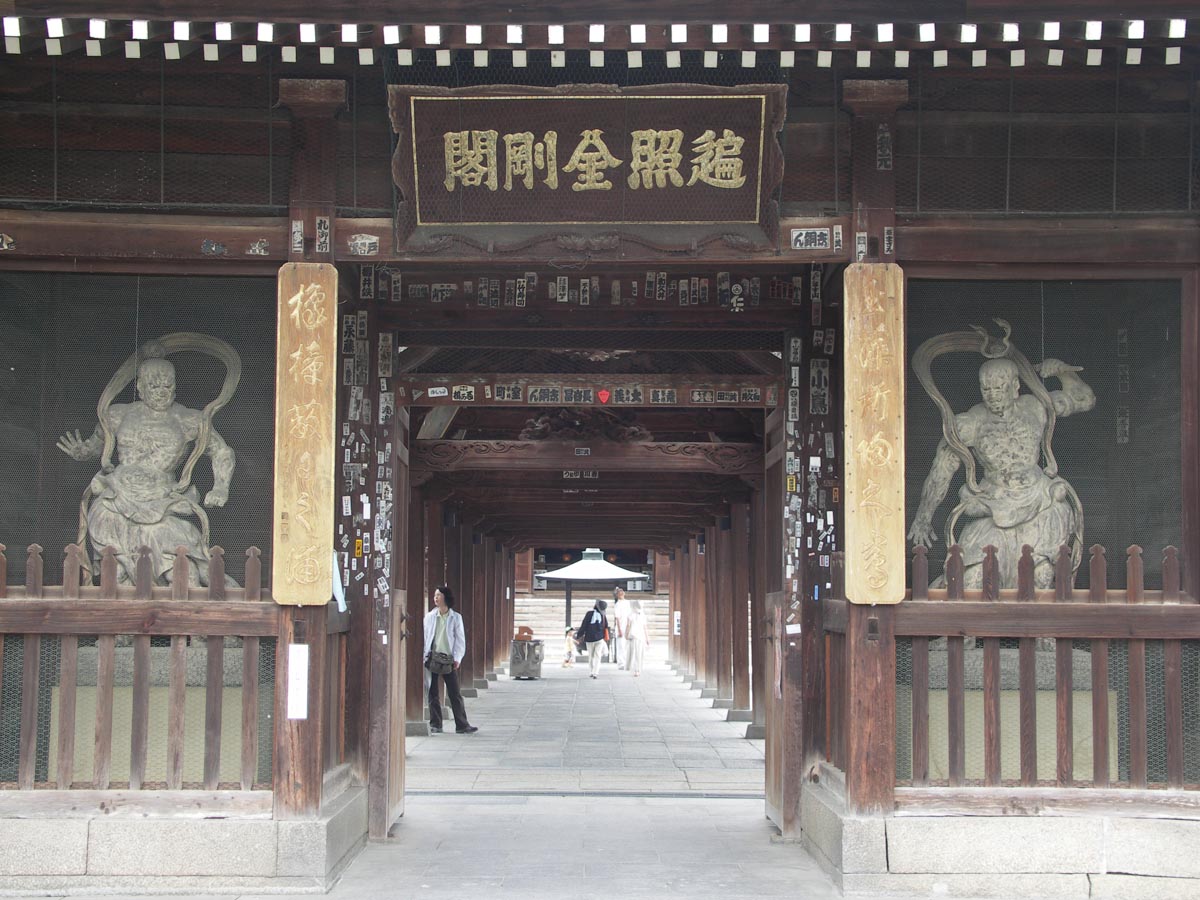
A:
(593, 567)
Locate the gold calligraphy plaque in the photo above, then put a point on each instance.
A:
(305, 427)
(874, 433)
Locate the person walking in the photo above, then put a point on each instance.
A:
(445, 646)
(621, 620)
(594, 630)
(637, 635)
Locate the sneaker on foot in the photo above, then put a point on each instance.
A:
(470, 729)
(434, 730)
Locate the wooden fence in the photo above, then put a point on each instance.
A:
(1125, 696)
(135, 615)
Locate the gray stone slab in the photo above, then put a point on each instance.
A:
(1153, 847)
(1142, 887)
(171, 847)
(36, 847)
(1014, 845)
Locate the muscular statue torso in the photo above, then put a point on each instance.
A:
(1008, 445)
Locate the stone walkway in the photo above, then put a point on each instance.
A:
(566, 733)
(575, 788)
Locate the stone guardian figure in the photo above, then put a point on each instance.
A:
(1021, 499)
(145, 499)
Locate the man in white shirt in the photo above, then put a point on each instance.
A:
(621, 612)
(444, 633)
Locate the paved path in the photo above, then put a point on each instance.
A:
(574, 788)
(566, 733)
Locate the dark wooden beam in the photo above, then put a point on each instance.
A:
(721, 459)
(686, 390)
(620, 11)
(1079, 620)
(1107, 241)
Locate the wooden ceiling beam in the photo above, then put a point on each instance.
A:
(610, 12)
(450, 456)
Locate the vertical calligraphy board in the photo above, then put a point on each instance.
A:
(874, 433)
(305, 427)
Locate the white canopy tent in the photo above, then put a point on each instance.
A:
(593, 567)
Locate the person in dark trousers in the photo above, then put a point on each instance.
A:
(594, 631)
(444, 634)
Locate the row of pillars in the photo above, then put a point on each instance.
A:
(444, 549)
(717, 614)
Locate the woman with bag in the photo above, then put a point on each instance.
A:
(594, 631)
(445, 646)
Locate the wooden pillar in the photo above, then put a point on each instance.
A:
(416, 606)
(722, 606)
(299, 741)
(484, 609)
(672, 607)
(873, 461)
(491, 566)
(758, 617)
(739, 539)
(700, 635)
(435, 554)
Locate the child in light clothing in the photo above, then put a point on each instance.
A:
(569, 649)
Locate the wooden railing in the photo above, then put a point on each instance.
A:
(138, 617)
(1117, 675)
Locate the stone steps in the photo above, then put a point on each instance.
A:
(544, 612)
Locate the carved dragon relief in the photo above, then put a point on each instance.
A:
(440, 455)
(724, 457)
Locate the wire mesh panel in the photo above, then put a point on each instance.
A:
(144, 134)
(1102, 140)
(1122, 455)
(91, 706)
(63, 336)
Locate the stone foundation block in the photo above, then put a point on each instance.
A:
(43, 846)
(165, 847)
(995, 845)
(1143, 887)
(1000, 887)
(1153, 847)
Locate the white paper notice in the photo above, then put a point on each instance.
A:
(297, 693)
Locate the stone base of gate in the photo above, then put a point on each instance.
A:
(1076, 855)
(182, 842)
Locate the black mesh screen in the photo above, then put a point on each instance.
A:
(63, 336)
(1123, 456)
(146, 134)
(1096, 141)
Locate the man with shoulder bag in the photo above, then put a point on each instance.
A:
(445, 646)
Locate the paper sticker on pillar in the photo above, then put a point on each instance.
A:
(812, 239)
(261, 247)
(463, 393)
(603, 396)
(436, 392)
(297, 236)
(7, 242)
(323, 234)
(791, 484)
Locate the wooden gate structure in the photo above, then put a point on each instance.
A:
(623, 346)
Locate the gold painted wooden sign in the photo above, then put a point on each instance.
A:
(874, 433)
(305, 426)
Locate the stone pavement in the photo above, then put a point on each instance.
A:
(566, 733)
(575, 788)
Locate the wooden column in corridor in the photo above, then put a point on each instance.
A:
(299, 741)
(873, 304)
(723, 607)
(758, 617)
(739, 576)
(416, 605)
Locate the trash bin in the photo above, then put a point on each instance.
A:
(525, 659)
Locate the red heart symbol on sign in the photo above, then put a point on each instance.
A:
(603, 395)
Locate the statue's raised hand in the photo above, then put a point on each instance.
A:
(216, 497)
(73, 444)
(1054, 368)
